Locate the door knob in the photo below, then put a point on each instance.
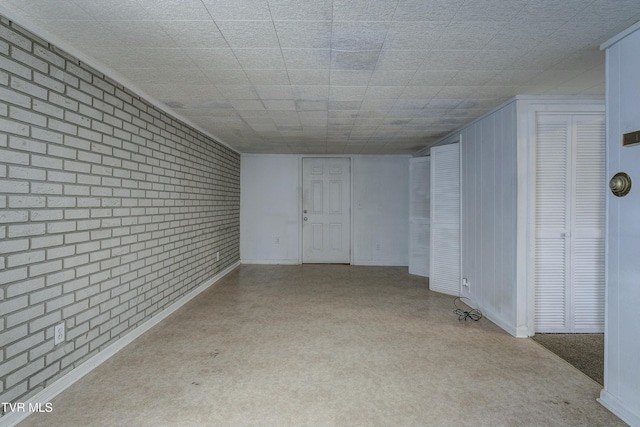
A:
(620, 184)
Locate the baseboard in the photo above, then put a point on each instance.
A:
(501, 323)
(13, 418)
(271, 261)
(619, 409)
(378, 263)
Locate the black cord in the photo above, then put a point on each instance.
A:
(473, 314)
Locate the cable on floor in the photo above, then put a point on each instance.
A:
(473, 314)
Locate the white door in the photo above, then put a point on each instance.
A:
(326, 210)
(444, 273)
(419, 178)
(570, 212)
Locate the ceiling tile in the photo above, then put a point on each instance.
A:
(261, 59)
(237, 91)
(311, 92)
(274, 92)
(489, 10)
(308, 76)
(354, 36)
(194, 34)
(287, 10)
(350, 77)
(246, 104)
(347, 93)
(384, 92)
(432, 78)
(364, 60)
(307, 59)
(238, 10)
(303, 34)
(391, 77)
(284, 105)
(268, 77)
(467, 35)
(249, 34)
(169, 9)
(427, 10)
(363, 10)
(311, 105)
(213, 59)
(414, 35)
(116, 10)
(401, 59)
(139, 34)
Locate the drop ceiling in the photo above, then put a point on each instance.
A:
(335, 76)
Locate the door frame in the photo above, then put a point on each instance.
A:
(300, 200)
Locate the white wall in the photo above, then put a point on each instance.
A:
(270, 206)
(380, 210)
(621, 393)
(269, 209)
(488, 220)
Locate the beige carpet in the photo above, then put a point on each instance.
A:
(328, 345)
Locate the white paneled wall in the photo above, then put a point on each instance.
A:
(621, 393)
(488, 220)
(270, 209)
(380, 210)
(419, 214)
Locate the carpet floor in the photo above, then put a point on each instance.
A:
(584, 351)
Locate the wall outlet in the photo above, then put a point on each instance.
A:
(277, 240)
(377, 246)
(58, 333)
(466, 285)
(217, 256)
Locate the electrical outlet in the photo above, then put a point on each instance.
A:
(277, 240)
(466, 284)
(377, 246)
(58, 333)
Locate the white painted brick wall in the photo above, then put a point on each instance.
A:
(110, 210)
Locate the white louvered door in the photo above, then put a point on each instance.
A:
(444, 273)
(569, 243)
(420, 176)
(588, 224)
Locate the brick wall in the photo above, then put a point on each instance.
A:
(110, 210)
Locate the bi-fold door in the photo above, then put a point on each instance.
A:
(569, 222)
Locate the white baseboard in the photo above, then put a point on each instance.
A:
(619, 409)
(504, 325)
(271, 261)
(13, 418)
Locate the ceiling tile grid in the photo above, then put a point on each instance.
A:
(337, 76)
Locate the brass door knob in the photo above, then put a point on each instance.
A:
(620, 184)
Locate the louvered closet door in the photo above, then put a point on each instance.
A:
(587, 224)
(569, 247)
(445, 219)
(420, 176)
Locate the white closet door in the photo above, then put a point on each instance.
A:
(588, 223)
(420, 175)
(552, 218)
(445, 219)
(570, 196)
